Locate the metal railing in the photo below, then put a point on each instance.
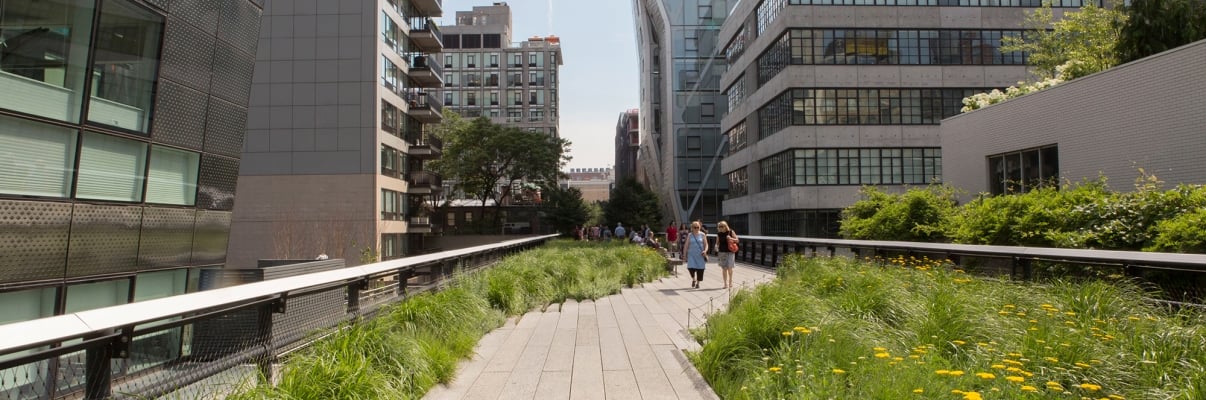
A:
(427, 62)
(421, 99)
(1176, 275)
(426, 179)
(204, 344)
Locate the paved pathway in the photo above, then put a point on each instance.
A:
(624, 346)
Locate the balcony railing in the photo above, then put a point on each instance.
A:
(422, 100)
(426, 62)
(426, 179)
(426, 33)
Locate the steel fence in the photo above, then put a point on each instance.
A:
(210, 343)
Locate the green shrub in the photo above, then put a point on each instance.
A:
(918, 214)
(1184, 233)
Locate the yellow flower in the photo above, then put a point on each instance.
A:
(1028, 388)
(1082, 365)
(972, 396)
(918, 390)
(1052, 384)
(839, 371)
(786, 333)
(1117, 397)
(943, 372)
(997, 366)
(774, 369)
(956, 373)
(802, 330)
(882, 355)
(1014, 369)
(879, 349)
(1090, 387)
(958, 342)
(985, 375)
(1015, 379)
(1051, 359)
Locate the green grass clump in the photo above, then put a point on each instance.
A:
(839, 328)
(418, 342)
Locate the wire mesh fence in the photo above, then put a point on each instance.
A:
(211, 343)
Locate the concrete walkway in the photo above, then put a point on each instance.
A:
(624, 346)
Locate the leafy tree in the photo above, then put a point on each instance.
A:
(564, 208)
(1154, 26)
(633, 205)
(916, 215)
(1082, 41)
(481, 156)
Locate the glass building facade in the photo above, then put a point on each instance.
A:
(121, 125)
(681, 104)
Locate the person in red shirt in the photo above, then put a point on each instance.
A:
(672, 238)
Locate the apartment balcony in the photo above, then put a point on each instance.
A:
(425, 34)
(429, 8)
(425, 71)
(419, 225)
(424, 107)
(425, 183)
(425, 146)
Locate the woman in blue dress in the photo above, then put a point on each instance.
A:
(696, 253)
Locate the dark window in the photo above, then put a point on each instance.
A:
(492, 41)
(452, 41)
(884, 106)
(738, 183)
(471, 41)
(851, 166)
(1023, 171)
(801, 223)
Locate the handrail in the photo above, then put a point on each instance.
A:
(1187, 262)
(25, 335)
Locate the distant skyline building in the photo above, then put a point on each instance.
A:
(827, 96)
(628, 143)
(342, 103)
(595, 183)
(681, 146)
(486, 75)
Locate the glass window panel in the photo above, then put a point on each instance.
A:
(124, 66)
(35, 159)
(89, 296)
(26, 305)
(111, 168)
(172, 178)
(154, 285)
(43, 56)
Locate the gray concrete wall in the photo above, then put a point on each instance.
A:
(1148, 114)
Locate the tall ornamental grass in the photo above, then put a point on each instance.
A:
(836, 328)
(418, 342)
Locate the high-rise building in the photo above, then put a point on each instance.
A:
(681, 145)
(825, 96)
(341, 105)
(594, 183)
(628, 143)
(485, 75)
(121, 123)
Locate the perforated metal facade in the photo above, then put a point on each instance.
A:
(81, 243)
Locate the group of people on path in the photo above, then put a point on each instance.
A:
(692, 244)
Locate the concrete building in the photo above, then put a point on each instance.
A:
(595, 183)
(1144, 114)
(341, 104)
(681, 145)
(628, 143)
(485, 74)
(121, 124)
(827, 96)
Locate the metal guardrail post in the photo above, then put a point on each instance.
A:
(98, 363)
(354, 289)
(1021, 265)
(762, 254)
(404, 276)
(264, 336)
(832, 250)
(775, 254)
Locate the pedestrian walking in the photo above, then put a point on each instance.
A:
(726, 251)
(696, 254)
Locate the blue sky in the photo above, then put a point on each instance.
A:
(600, 76)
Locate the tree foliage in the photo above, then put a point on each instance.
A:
(1158, 25)
(564, 208)
(915, 215)
(633, 205)
(482, 156)
(1083, 41)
